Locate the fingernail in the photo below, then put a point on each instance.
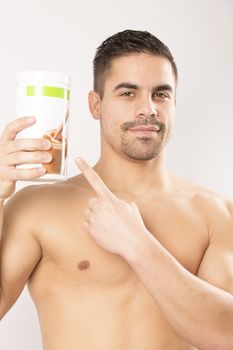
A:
(31, 119)
(47, 157)
(46, 144)
(42, 170)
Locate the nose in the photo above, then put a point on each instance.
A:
(146, 108)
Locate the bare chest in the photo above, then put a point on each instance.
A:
(73, 258)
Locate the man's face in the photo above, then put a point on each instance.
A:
(138, 106)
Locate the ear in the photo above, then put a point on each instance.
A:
(94, 104)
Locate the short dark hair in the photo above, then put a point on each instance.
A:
(126, 43)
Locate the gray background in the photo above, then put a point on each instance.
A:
(63, 35)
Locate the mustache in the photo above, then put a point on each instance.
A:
(150, 121)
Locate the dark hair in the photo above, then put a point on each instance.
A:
(126, 43)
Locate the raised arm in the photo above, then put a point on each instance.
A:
(19, 249)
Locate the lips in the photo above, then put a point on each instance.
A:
(145, 128)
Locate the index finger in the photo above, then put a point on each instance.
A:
(16, 126)
(94, 179)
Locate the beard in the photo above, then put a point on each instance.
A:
(143, 148)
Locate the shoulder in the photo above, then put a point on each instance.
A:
(40, 198)
(35, 210)
(214, 206)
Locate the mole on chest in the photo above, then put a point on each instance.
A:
(83, 264)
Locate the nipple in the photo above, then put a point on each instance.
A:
(83, 265)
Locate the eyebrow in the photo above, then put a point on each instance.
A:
(126, 85)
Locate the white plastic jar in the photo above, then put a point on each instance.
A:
(46, 96)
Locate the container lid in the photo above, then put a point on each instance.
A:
(43, 76)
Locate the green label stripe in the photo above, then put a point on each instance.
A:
(50, 91)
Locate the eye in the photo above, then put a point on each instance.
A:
(127, 93)
(161, 95)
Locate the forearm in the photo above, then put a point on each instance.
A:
(199, 312)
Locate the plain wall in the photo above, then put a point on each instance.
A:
(63, 35)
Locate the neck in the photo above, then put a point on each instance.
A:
(135, 177)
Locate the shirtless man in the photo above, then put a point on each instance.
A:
(124, 256)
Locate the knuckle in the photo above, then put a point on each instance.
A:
(38, 156)
(20, 144)
(94, 177)
(12, 159)
(17, 144)
(8, 127)
(16, 123)
(10, 123)
(106, 205)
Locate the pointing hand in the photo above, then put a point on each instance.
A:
(115, 224)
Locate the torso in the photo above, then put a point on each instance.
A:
(90, 299)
